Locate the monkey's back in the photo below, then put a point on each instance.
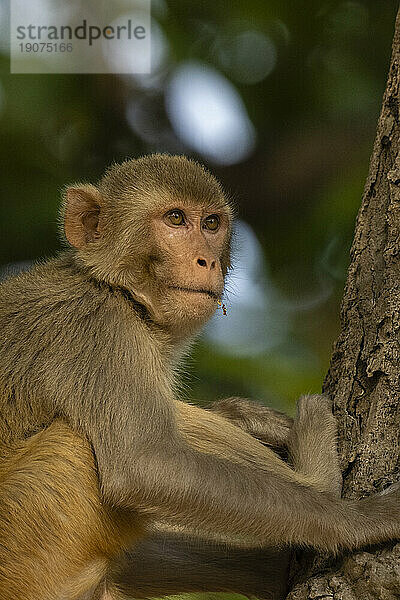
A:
(37, 308)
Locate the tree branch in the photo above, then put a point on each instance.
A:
(364, 375)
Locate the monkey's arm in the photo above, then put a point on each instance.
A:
(220, 481)
(168, 563)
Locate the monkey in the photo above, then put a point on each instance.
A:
(97, 446)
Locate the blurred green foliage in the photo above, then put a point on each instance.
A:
(313, 98)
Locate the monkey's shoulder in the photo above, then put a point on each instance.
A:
(49, 289)
(56, 307)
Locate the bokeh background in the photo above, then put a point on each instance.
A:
(280, 100)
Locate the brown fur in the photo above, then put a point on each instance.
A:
(88, 396)
(55, 533)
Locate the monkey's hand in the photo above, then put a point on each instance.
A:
(269, 426)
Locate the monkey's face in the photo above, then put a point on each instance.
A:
(187, 262)
(160, 228)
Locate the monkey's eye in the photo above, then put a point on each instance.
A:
(211, 222)
(176, 217)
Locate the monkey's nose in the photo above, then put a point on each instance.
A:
(207, 264)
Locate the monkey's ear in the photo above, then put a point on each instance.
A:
(81, 214)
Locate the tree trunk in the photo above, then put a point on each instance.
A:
(364, 376)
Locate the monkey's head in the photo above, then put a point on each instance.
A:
(159, 227)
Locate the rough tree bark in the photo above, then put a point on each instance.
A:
(364, 375)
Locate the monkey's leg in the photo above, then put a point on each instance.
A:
(311, 438)
(55, 536)
(166, 564)
(270, 426)
(312, 443)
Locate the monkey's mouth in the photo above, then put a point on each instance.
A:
(209, 293)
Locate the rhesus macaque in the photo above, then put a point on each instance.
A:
(96, 448)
